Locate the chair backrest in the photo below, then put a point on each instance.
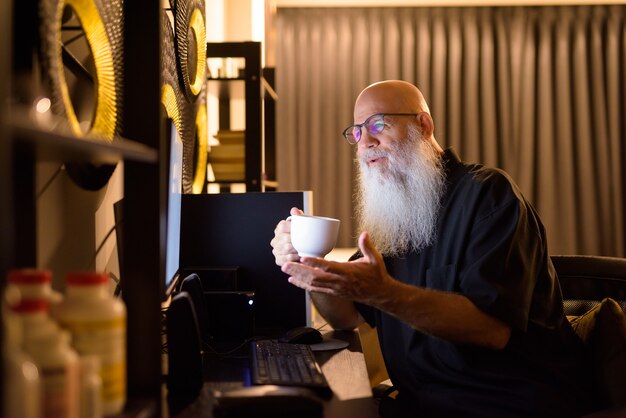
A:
(587, 279)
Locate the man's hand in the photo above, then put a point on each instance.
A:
(362, 280)
(281, 243)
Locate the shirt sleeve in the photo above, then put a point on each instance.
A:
(504, 263)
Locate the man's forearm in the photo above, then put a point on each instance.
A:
(340, 313)
(445, 315)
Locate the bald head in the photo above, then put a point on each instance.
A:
(396, 96)
(391, 96)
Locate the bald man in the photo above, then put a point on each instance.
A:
(453, 270)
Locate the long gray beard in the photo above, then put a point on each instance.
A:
(398, 204)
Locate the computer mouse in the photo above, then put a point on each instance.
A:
(301, 335)
(267, 401)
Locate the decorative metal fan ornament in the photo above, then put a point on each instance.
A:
(189, 17)
(176, 105)
(101, 25)
(91, 101)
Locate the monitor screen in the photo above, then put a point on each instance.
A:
(174, 192)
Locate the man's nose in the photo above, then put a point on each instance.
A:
(367, 140)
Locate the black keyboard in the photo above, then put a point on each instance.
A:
(278, 363)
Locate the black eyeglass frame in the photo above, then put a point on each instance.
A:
(350, 129)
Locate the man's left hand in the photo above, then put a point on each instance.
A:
(363, 280)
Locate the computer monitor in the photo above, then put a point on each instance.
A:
(172, 178)
(174, 193)
(231, 232)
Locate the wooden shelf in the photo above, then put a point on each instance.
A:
(248, 88)
(270, 183)
(223, 89)
(52, 145)
(226, 78)
(28, 137)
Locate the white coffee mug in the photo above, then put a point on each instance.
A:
(313, 236)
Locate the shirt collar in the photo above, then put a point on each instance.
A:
(452, 165)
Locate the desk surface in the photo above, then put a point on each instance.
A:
(344, 369)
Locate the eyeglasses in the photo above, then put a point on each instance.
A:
(375, 124)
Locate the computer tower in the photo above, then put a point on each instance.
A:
(231, 230)
(230, 315)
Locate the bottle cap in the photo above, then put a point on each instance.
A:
(29, 276)
(30, 306)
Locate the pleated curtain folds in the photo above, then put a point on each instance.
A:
(537, 91)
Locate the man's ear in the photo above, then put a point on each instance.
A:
(426, 123)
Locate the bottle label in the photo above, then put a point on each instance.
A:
(60, 385)
(107, 340)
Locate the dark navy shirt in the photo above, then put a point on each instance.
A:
(490, 247)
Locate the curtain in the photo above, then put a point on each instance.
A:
(537, 91)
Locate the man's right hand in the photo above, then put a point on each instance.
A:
(281, 243)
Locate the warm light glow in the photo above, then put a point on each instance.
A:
(30, 371)
(213, 188)
(43, 105)
(238, 187)
(210, 175)
(436, 3)
(215, 21)
(258, 25)
(258, 20)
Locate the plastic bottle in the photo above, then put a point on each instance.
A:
(22, 390)
(90, 393)
(34, 319)
(34, 284)
(58, 364)
(36, 323)
(97, 322)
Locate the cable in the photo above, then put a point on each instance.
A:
(118, 284)
(50, 180)
(321, 326)
(227, 354)
(45, 187)
(104, 240)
